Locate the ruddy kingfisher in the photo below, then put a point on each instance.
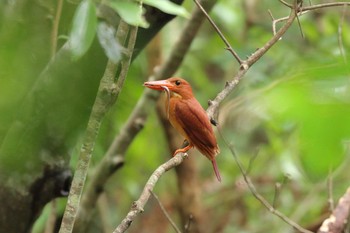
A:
(188, 117)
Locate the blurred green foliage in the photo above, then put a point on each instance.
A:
(314, 105)
(83, 28)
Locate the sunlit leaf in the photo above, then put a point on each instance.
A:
(130, 12)
(83, 29)
(168, 7)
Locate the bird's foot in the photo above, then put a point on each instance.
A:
(183, 150)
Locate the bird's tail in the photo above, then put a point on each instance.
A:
(216, 170)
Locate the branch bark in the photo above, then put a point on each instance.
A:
(137, 206)
(114, 157)
(189, 196)
(40, 128)
(245, 65)
(107, 94)
(339, 217)
(213, 106)
(211, 111)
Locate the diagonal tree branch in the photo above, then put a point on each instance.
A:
(106, 96)
(140, 203)
(114, 158)
(246, 64)
(137, 206)
(323, 5)
(218, 31)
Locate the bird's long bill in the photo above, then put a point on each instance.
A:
(158, 85)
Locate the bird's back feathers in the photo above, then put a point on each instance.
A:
(195, 126)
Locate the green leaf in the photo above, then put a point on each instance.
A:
(109, 42)
(83, 29)
(168, 7)
(130, 12)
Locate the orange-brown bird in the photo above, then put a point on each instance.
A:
(188, 117)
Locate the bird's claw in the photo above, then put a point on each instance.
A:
(184, 153)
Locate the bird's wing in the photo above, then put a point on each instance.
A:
(195, 122)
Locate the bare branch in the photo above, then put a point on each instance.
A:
(228, 45)
(340, 32)
(317, 6)
(299, 24)
(114, 157)
(256, 194)
(137, 206)
(275, 21)
(338, 219)
(324, 5)
(286, 4)
(214, 104)
(211, 111)
(303, 10)
(100, 108)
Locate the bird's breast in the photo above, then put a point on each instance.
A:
(173, 103)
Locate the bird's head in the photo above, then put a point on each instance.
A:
(177, 86)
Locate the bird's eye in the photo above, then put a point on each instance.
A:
(177, 82)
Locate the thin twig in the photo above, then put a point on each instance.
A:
(270, 13)
(137, 206)
(317, 6)
(330, 191)
(251, 161)
(278, 188)
(276, 196)
(165, 212)
(324, 5)
(214, 104)
(188, 224)
(275, 21)
(228, 45)
(54, 32)
(297, 9)
(286, 4)
(256, 194)
(303, 10)
(340, 32)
